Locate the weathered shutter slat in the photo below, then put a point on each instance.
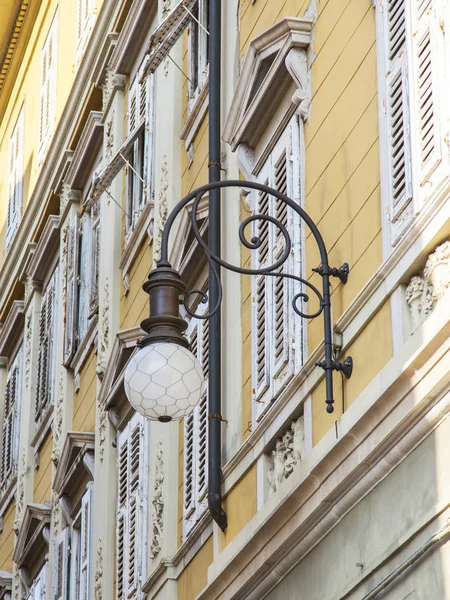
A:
(86, 543)
(70, 310)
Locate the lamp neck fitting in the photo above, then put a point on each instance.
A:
(164, 287)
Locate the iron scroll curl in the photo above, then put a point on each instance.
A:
(273, 270)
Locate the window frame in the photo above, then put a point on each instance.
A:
(198, 51)
(48, 85)
(15, 186)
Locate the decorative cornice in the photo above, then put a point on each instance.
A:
(61, 170)
(86, 152)
(6, 59)
(250, 112)
(73, 465)
(12, 328)
(135, 31)
(32, 541)
(104, 56)
(46, 250)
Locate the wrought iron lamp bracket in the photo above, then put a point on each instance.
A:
(167, 291)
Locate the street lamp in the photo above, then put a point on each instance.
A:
(163, 380)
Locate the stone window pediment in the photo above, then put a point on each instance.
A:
(34, 533)
(274, 76)
(12, 328)
(5, 585)
(76, 465)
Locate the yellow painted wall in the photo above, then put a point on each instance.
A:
(7, 539)
(134, 306)
(84, 399)
(195, 577)
(369, 359)
(240, 506)
(43, 475)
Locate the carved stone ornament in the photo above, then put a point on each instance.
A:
(109, 142)
(166, 8)
(28, 289)
(102, 432)
(426, 290)
(157, 504)
(65, 250)
(161, 216)
(297, 66)
(112, 82)
(64, 198)
(104, 332)
(20, 493)
(56, 513)
(28, 336)
(98, 577)
(288, 454)
(58, 422)
(17, 587)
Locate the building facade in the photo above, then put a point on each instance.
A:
(341, 105)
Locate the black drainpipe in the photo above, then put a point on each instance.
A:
(214, 238)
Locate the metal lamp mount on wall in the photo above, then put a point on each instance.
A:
(163, 380)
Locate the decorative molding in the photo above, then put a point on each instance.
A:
(58, 422)
(102, 359)
(73, 464)
(56, 514)
(46, 250)
(12, 328)
(28, 337)
(162, 209)
(103, 58)
(98, 577)
(6, 579)
(13, 38)
(32, 538)
(425, 291)
(68, 197)
(109, 143)
(86, 152)
(17, 585)
(273, 56)
(102, 431)
(113, 82)
(288, 454)
(143, 228)
(157, 504)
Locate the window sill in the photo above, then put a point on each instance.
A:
(135, 241)
(196, 113)
(42, 429)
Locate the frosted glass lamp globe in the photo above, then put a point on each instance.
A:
(163, 381)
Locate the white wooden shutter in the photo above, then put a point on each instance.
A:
(39, 587)
(202, 419)
(46, 356)
(86, 544)
(83, 283)
(70, 311)
(15, 181)
(132, 512)
(61, 565)
(428, 53)
(11, 422)
(48, 88)
(261, 300)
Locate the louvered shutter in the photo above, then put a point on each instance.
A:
(85, 543)
(46, 356)
(261, 298)
(11, 422)
(70, 310)
(131, 514)
(428, 48)
(202, 418)
(15, 181)
(61, 565)
(398, 117)
(94, 259)
(83, 283)
(48, 87)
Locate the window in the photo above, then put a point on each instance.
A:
(196, 431)
(131, 532)
(85, 22)
(11, 423)
(82, 251)
(46, 357)
(48, 89)
(15, 180)
(73, 555)
(38, 589)
(198, 47)
(411, 105)
(139, 158)
(277, 344)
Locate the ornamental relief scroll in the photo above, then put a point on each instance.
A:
(425, 290)
(288, 454)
